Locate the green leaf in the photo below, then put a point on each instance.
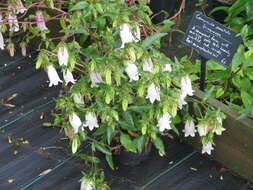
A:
(224, 8)
(88, 158)
(246, 98)
(151, 39)
(110, 135)
(140, 108)
(75, 31)
(126, 141)
(79, 6)
(128, 118)
(159, 145)
(109, 161)
(175, 129)
(101, 130)
(237, 60)
(102, 149)
(126, 126)
(140, 143)
(208, 94)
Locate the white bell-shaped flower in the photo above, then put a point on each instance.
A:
(19, 7)
(219, 129)
(53, 76)
(181, 100)
(63, 56)
(186, 86)
(86, 185)
(40, 20)
(167, 67)
(91, 121)
(202, 130)
(189, 128)
(132, 72)
(13, 23)
(147, 65)
(207, 148)
(68, 77)
(2, 45)
(126, 34)
(78, 98)
(153, 93)
(95, 78)
(164, 122)
(75, 122)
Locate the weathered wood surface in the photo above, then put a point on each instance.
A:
(234, 149)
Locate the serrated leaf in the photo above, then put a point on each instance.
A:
(75, 31)
(159, 145)
(140, 143)
(88, 158)
(140, 108)
(102, 149)
(152, 39)
(79, 6)
(101, 130)
(109, 161)
(128, 118)
(246, 98)
(109, 135)
(126, 141)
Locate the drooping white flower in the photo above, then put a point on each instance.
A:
(167, 67)
(68, 77)
(186, 86)
(147, 65)
(189, 128)
(13, 23)
(78, 98)
(164, 122)
(53, 76)
(75, 122)
(40, 20)
(95, 78)
(19, 7)
(153, 93)
(126, 34)
(219, 129)
(207, 148)
(132, 72)
(63, 56)
(91, 121)
(202, 130)
(181, 101)
(86, 185)
(2, 45)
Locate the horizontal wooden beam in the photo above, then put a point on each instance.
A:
(234, 148)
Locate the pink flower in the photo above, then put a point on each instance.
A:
(13, 23)
(40, 21)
